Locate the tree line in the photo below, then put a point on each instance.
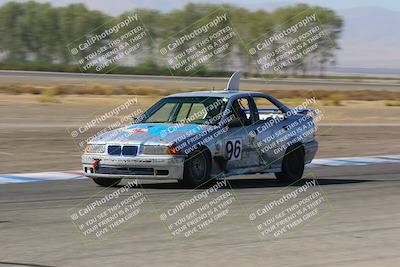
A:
(37, 34)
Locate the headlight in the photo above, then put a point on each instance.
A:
(154, 150)
(95, 149)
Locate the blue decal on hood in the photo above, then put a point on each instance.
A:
(162, 130)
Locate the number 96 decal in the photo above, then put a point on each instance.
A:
(233, 149)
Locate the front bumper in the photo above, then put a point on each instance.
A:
(139, 167)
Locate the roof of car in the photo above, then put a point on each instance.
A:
(227, 94)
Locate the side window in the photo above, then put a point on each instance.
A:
(183, 111)
(197, 111)
(266, 110)
(241, 110)
(191, 112)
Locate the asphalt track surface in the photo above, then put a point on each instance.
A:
(361, 227)
(55, 77)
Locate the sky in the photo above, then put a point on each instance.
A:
(118, 6)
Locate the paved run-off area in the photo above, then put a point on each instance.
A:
(361, 227)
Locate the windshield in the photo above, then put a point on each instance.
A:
(198, 110)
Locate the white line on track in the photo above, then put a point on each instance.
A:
(74, 175)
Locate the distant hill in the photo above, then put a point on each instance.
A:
(370, 38)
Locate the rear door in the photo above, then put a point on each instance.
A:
(270, 131)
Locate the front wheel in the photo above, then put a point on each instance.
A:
(197, 168)
(107, 182)
(292, 165)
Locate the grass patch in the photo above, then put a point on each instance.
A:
(48, 99)
(334, 99)
(141, 90)
(99, 89)
(328, 97)
(392, 103)
(49, 95)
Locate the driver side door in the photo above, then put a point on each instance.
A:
(238, 145)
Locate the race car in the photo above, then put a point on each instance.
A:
(198, 137)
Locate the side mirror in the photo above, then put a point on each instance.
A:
(135, 120)
(235, 122)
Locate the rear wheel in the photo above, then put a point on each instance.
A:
(107, 182)
(292, 164)
(197, 168)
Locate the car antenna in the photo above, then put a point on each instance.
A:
(233, 83)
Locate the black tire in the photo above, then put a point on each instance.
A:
(107, 182)
(292, 164)
(196, 169)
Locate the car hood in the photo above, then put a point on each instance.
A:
(150, 133)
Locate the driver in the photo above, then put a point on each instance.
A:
(238, 112)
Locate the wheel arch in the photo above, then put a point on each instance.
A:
(192, 179)
(208, 152)
(295, 146)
